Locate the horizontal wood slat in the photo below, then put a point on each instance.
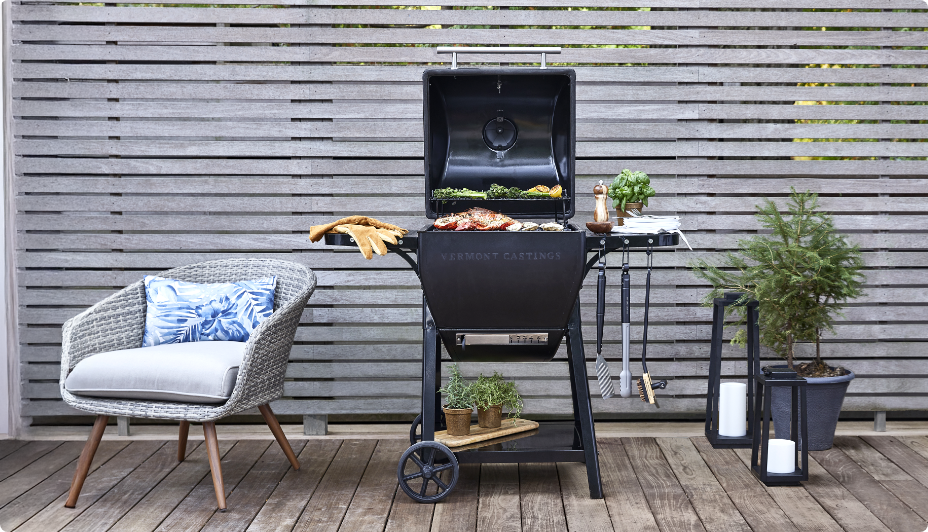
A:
(682, 37)
(401, 17)
(151, 137)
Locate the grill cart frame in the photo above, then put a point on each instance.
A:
(553, 441)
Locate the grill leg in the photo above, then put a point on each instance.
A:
(583, 410)
(431, 401)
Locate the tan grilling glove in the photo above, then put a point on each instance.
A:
(368, 233)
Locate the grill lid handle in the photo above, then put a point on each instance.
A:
(455, 50)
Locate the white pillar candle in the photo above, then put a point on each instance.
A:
(781, 456)
(733, 409)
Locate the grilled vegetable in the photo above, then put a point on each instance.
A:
(501, 192)
(534, 194)
(450, 193)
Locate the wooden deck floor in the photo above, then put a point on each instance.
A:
(867, 484)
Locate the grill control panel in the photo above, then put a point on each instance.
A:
(465, 339)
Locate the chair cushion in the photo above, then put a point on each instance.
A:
(179, 311)
(194, 372)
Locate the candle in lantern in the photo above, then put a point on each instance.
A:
(733, 408)
(781, 456)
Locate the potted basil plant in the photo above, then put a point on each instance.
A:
(458, 403)
(490, 395)
(630, 190)
(802, 272)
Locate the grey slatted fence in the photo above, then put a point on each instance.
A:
(148, 137)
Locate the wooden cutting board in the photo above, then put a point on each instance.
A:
(478, 434)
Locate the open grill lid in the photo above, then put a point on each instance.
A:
(515, 127)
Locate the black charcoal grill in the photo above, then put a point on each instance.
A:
(501, 296)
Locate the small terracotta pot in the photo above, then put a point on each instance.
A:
(458, 420)
(491, 418)
(623, 214)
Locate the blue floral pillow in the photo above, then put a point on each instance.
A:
(179, 311)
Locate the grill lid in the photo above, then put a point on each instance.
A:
(515, 127)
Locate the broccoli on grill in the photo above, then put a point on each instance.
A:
(501, 192)
(451, 193)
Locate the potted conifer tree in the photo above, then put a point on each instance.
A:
(802, 273)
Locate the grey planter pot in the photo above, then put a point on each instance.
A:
(825, 397)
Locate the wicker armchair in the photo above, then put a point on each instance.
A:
(118, 322)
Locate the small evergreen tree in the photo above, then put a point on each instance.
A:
(802, 274)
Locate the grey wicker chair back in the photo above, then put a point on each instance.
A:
(118, 322)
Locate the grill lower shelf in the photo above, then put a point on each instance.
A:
(478, 435)
(552, 441)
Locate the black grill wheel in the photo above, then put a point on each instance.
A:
(426, 461)
(415, 434)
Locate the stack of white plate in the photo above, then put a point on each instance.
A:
(649, 224)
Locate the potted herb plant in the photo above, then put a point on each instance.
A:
(490, 395)
(630, 190)
(458, 403)
(802, 274)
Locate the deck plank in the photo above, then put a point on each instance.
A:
(108, 509)
(286, 503)
(249, 495)
(624, 498)
(36, 472)
(891, 476)
(850, 513)
(919, 444)
(407, 515)
(371, 503)
(715, 509)
(458, 513)
(669, 504)
(903, 455)
(582, 512)
(200, 504)
(171, 491)
(800, 507)
(542, 506)
(8, 446)
(25, 455)
(874, 463)
(55, 516)
(746, 492)
(881, 503)
(31, 502)
(330, 501)
(498, 507)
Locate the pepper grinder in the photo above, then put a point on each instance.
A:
(601, 213)
(601, 223)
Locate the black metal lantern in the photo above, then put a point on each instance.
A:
(719, 305)
(763, 456)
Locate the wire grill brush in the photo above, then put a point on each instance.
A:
(645, 386)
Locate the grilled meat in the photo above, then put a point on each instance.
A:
(475, 219)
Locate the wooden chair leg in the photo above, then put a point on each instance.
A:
(271, 421)
(83, 463)
(182, 440)
(212, 449)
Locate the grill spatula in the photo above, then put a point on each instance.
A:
(602, 370)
